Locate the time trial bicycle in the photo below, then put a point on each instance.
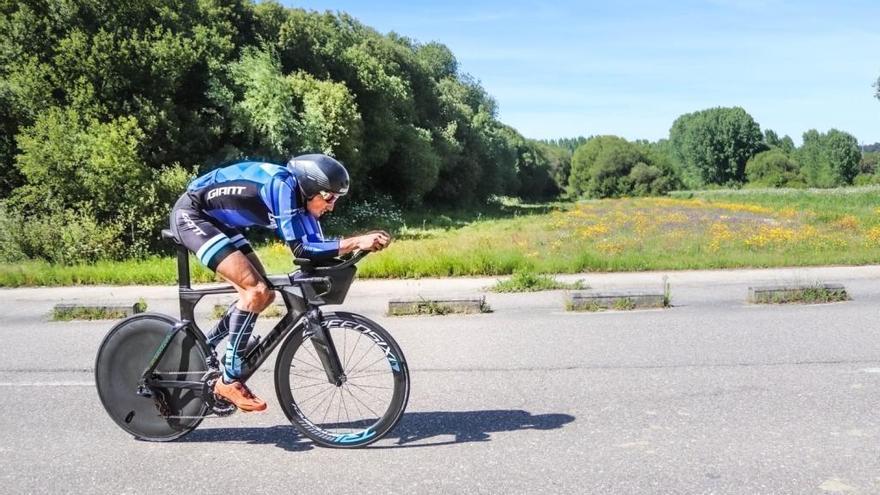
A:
(340, 378)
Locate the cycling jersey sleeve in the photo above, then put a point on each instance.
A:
(296, 226)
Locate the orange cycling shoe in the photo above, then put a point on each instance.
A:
(238, 394)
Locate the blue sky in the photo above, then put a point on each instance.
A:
(630, 68)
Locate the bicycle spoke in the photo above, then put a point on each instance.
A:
(339, 408)
(362, 358)
(363, 404)
(367, 392)
(372, 373)
(329, 404)
(354, 348)
(309, 386)
(311, 397)
(370, 365)
(310, 353)
(320, 403)
(368, 386)
(356, 406)
(307, 364)
(321, 378)
(347, 416)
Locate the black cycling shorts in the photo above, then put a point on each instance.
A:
(210, 240)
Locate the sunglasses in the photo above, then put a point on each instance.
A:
(329, 196)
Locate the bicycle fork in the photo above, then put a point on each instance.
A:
(323, 343)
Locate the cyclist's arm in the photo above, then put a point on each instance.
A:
(308, 240)
(296, 227)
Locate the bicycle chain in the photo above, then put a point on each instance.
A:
(219, 407)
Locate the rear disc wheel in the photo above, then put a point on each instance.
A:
(122, 358)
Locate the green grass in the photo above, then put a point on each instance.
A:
(689, 230)
(273, 311)
(524, 281)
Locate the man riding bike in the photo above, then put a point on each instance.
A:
(289, 199)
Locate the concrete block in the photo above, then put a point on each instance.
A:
(436, 306)
(619, 300)
(805, 293)
(78, 311)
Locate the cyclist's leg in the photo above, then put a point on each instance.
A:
(221, 329)
(211, 242)
(213, 246)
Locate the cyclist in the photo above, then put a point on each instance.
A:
(289, 199)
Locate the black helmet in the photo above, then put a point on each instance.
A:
(316, 173)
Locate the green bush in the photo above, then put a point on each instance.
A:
(363, 215)
(866, 179)
(774, 168)
(10, 245)
(610, 166)
(69, 237)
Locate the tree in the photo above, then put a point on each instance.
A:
(558, 161)
(830, 159)
(774, 168)
(610, 166)
(772, 140)
(715, 144)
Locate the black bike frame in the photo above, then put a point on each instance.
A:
(302, 309)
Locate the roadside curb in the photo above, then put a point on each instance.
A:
(437, 306)
(618, 300)
(811, 293)
(78, 311)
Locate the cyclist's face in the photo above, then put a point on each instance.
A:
(317, 206)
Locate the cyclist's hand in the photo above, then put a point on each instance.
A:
(374, 241)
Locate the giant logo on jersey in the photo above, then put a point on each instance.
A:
(225, 191)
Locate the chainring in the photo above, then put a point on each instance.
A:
(219, 406)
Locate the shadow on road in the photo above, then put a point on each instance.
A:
(413, 430)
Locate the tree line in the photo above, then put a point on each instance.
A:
(716, 147)
(110, 107)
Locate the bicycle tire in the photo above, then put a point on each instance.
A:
(375, 358)
(123, 356)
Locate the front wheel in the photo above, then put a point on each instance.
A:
(363, 408)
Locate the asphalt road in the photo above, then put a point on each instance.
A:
(710, 396)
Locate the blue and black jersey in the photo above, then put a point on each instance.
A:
(260, 194)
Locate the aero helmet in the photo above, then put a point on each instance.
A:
(316, 173)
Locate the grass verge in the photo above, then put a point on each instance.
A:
(688, 230)
(532, 282)
(273, 311)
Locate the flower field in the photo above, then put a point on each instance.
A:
(687, 230)
(710, 230)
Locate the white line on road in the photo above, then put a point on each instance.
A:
(47, 384)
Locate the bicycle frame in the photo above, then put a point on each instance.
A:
(302, 309)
